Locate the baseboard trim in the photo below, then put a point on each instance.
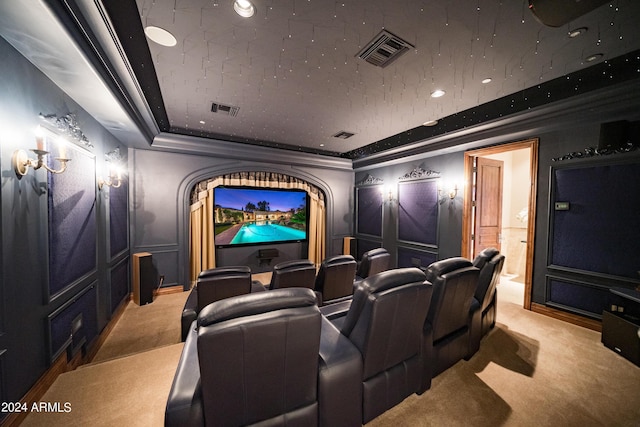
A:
(169, 290)
(62, 365)
(575, 319)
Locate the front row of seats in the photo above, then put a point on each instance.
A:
(266, 359)
(272, 358)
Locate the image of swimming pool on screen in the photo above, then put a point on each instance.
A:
(254, 216)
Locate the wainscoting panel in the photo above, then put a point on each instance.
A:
(72, 221)
(578, 297)
(369, 210)
(412, 257)
(418, 212)
(119, 276)
(77, 316)
(595, 226)
(118, 222)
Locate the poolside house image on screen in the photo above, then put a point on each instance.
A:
(257, 216)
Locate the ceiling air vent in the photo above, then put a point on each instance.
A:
(343, 135)
(224, 109)
(384, 49)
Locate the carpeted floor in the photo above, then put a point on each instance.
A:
(531, 370)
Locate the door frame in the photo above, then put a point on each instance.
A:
(467, 220)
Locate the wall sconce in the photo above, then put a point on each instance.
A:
(387, 194)
(452, 192)
(22, 162)
(114, 180)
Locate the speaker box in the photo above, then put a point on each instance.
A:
(621, 335)
(144, 278)
(556, 13)
(349, 246)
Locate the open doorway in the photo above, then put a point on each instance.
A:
(499, 207)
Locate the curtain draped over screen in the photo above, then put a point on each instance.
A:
(201, 234)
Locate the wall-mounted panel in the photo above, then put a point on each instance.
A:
(418, 212)
(72, 221)
(74, 323)
(576, 296)
(369, 210)
(412, 257)
(595, 220)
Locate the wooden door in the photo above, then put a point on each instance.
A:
(488, 205)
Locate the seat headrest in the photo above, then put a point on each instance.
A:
(445, 266)
(338, 259)
(256, 303)
(375, 252)
(224, 271)
(391, 279)
(484, 256)
(296, 263)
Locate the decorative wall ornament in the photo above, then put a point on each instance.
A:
(419, 173)
(595, 151)
(67, 125)
(113, 156)
(371, 180)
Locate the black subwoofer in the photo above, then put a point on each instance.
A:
(622, 335)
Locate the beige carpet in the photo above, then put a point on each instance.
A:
(145, 327)
(130, 391)
(531, 370)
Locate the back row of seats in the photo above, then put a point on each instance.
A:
(272, 358)
(333, 282)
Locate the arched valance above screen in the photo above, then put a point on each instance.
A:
(202, 214)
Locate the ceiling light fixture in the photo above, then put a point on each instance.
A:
(578, 31)
(244, 8)
(487, 80)
(430, 123)
(160, 36)
(437, 93)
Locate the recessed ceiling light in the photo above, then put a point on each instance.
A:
(487, 80)
(437, 93)
(430, 123)
(160, 36)
(244, 8)
(202, 122)
(578, 31)
(593, 57)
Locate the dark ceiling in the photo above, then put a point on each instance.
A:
(292, 72)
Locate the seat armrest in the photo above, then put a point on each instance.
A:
(427, 357)
(475, 328)
(257, 286)
(189, 313)
(338, 300)
(184, 405)
(339, 379)
(337, 310)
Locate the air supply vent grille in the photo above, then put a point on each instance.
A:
(228, 110)
(384, 49)
(343, 134)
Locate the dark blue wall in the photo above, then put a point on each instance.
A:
(561, 130)
(34, 322)
(162, 180)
